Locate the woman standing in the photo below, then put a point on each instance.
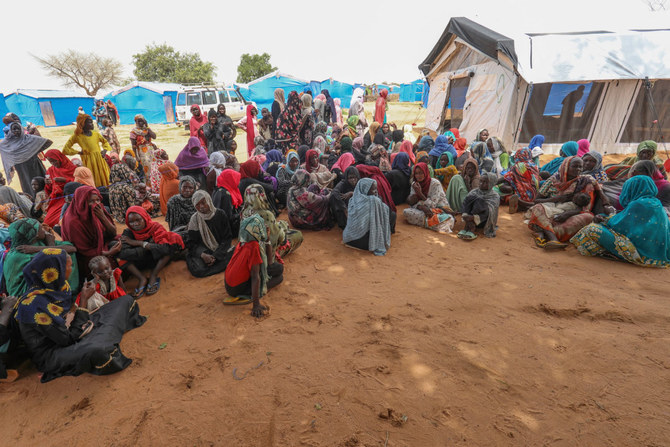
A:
(60, 173)
(289, 123)
(278, 104)
(195, 124)
(250, 125)
(19, 154)
(89, 140)
(381, 106)
(141, 140)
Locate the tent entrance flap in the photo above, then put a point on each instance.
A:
(47, 113)
(453, 113)
(169, 110)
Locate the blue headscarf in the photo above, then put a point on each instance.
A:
(442, 145)
(286, 166)
(568, 149)
(273, 156)
(368, 214)
(536, 141)
(401, 163)
(643, 220)
(426, 143)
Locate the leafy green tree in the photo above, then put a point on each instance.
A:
(162, 63)
(85, 70)
(253, 66)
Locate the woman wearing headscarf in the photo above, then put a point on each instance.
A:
(552, 231)
(89, 140)
(84, 176)
(426, 143)
(640, 234)
(341, 194)
(441, 145)
(289, 123)
(147, 245)
(584, 147)
(318, 173)
(278, 104)
(342, 162)
(19, 154)
(480, 208)
(88, 226)
(383, 186)
(444, 169)
(217, 163)
(330, 114)
(180, 207)
(481, 154)
(283, 239)
(192, 161)
(370, 135)
(535, 147)
(306, 133)
(308, 204)
(29, 238)
(499, 155)
(229, 130)
(381, 106)
(209, 238)
(273, 159)
(399, 178)
(60, 173)
(368, 224)
(215, 133)
(249, 124)
(227, 197)
(319, 108)
(568, 149)
(121, 191)
(198, 119)
(428, 204)
(253, 270)
(524, 180)
(646, 150)
(285, 174)
(90, 342)
(251, 172)
(359, 150)
(338, 111)
(648, 168)
(593, 166)
(169, 185)
(159, 159)
(141, 139)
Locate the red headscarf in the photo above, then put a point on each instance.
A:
(251, 133)
(425, 184)
(459, 145)
(66, 168)
(456, 133)
(230, 179)
(152, 229)
(196, 123)
(81, 226)
(308, 160)
(407, 147)
(383, 185)
(250, 169)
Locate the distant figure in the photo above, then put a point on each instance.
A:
(568, 111)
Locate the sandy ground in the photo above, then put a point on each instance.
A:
(441, 342)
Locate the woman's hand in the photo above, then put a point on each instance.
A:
(87, 292)
(98, 211)
(115, 250)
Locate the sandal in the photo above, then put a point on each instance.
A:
(12, 375)
(153, 288)
(237, 300)
(139, 292)
(466, 235)
(555, 245)
(540, 242)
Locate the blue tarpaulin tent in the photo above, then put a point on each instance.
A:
(3, 111)
(412, 91)
(340, 90)
(154, 100)
(262, 90)
(48, 107)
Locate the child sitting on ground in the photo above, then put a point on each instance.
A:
(107, 281)
(150, 202)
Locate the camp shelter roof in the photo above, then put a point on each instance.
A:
(478, 36)
(277, 74)
(158, 87)
(50, 93)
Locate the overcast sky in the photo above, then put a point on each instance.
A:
(351, 41)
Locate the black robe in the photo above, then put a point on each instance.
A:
(220, 228)
(400, 185)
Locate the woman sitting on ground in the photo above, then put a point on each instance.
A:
(428, 204)
(227, 197)
(593, 166)
(341, 195)
(318, 173)
(461, 184)
(284, 176)
(180, 207)
(640, 234)
(369, 221)
(308, 204)
(217, 163)
(121, 191)
(134, 165)
(552, 231)
(444, 170)
(252, 271)
(284, 240)
(251, 173)
(522, 180)
(568, 149)
(60, 173)
(84, 176)
(383, 186)
(169, 185)
(147, 245)
(147, 200)
(90, 342)
(88, 226)
(209, 238)
(480, 208)
(28, 238)
(399, 178)
(192, 161)
(646, 150)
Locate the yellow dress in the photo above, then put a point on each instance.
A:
(91, 155)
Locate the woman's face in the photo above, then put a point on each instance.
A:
(213, 120)
(187, 190)
(470, 170)
(94, 201)
(484, 135)
(195, 149)
(55, 163)
(484, 182)
(202, 207)
(222, 109)
(352, 180)
(254, 111)
(589, 162)
(385, 128)
(314, 160)
(195, 111)
(293, 164)
(135, 222)
(88, 124)
(645, 154)
(233, 146)
(16, 131)
(141, 123)
(575, 168)
(444, 160)
(419, 175)
(68, 267)
(373, 189)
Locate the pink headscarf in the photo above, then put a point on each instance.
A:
(406, 146)
(345, 160)
(584, 147)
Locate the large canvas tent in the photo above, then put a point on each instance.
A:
(48, 107)
(565, 86)
(154, 100)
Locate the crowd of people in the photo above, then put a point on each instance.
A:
(65, 268)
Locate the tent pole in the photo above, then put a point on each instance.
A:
(647, 87)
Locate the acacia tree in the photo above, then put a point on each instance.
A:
(85, 70)
(253, 66)
(162, 63)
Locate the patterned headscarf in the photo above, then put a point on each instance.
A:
(253, 229)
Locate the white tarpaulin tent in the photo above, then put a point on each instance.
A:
(564, 86)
